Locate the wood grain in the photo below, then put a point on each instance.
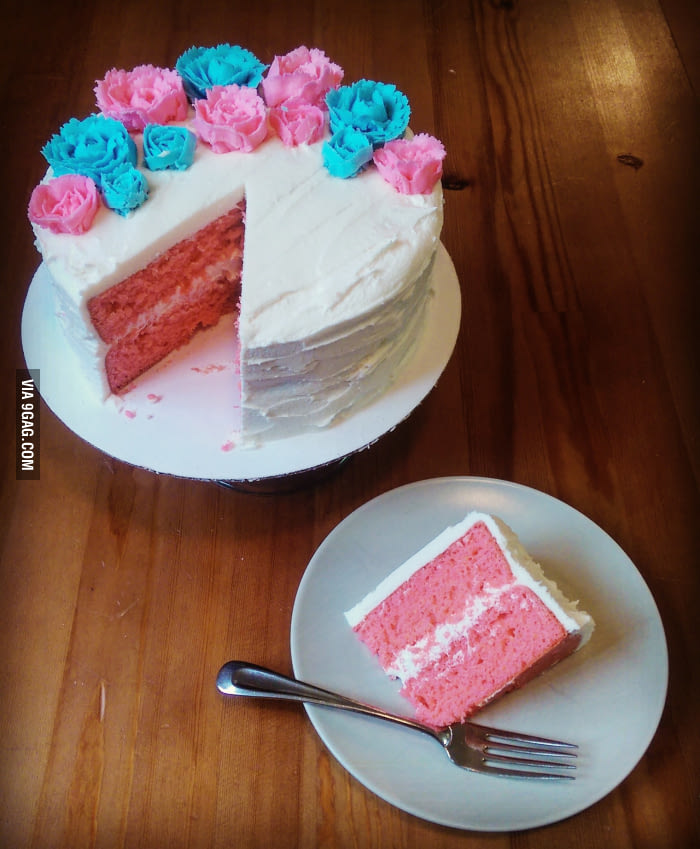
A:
(571, 187)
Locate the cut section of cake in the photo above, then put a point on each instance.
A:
(158, 309)
(466, 619)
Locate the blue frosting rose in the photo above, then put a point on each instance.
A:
(168, 147)
(379, 110)
(201, 68)
(124, 189)
(94, 147)
(346, 152)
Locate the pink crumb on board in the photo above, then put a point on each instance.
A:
(130, 414)
(153, 398)
(228, 445)
(208, 369)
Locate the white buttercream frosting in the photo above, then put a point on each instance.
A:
(335, 274)
(409, 662)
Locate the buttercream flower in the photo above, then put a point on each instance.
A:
(379, 110)
(144, 95)
(168, 147)
(231, 118)
(412, 166)
(346, 152)
(66, 204)
(301, 74)
(297, 122)
(124, 189)
(94, 147)
(202, 68)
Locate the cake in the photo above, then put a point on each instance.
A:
(466, 619)
(306, 207)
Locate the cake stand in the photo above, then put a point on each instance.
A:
(181, 420)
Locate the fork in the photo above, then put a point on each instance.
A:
(474, 747)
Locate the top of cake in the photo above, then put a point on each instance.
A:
(172, 150)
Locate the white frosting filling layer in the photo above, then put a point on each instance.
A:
(525, 570)
(335, 274)
(410, 661)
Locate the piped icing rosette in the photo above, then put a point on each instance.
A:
(231, 118)
(124, 189)
(378, 110)
(297, 122)
(202, 68)
(412, 166)
(93, 147)
(237, 103)
(302, 75)
(144, 95)
(168, 148)
(67, 204)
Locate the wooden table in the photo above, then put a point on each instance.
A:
(571, 216)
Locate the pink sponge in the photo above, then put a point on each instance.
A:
(158, 309)
(466, 619)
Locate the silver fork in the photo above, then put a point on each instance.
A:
(474, 747)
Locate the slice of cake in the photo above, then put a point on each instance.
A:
(468, 618)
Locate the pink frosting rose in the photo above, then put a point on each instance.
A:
(66, 204)
(302, 73)
(412, 166)
(145, 95)
(297, 122)
(231, 118)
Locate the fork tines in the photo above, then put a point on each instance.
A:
(529, 740)
(526, 755)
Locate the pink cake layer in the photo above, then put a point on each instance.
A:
(159, 308)
(512, 635)
(490, 660)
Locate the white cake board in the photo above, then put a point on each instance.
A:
(181, 420)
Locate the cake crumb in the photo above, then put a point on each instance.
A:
(208, 369)
(229, 445)
(153, 398)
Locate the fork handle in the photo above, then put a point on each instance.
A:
(238, 678)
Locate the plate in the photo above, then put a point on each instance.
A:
(607, 697)
(180, 420)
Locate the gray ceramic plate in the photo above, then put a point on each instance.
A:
(607, 697)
